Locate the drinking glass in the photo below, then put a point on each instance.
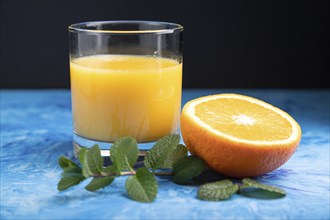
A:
(126, 80)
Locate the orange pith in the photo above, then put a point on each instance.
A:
(237, 135)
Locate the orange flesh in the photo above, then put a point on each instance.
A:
(248, 121)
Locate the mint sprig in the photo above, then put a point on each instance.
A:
(142, 184)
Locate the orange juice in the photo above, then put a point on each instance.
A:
(121, 95)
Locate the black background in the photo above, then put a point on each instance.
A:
(227, 44)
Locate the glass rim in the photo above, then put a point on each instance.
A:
(174, 27)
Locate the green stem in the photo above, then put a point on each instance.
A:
(163, 173)
(129, 172)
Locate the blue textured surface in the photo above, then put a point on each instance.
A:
(36, 130)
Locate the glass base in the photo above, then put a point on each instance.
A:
(79, 142)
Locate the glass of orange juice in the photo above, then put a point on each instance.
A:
(126, 80)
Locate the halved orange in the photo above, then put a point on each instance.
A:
(237, 135)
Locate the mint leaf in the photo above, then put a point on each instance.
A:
(70, 177)
(81, 155)
(99, 183)
(142, 186)
(67, 182)
(216, 191)
(124, 153)
(250, 182)
(254, 189)
(161, 151)
(179, 152)
(187, 168)
(65, 163)
(92, 161)
(72, 172)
